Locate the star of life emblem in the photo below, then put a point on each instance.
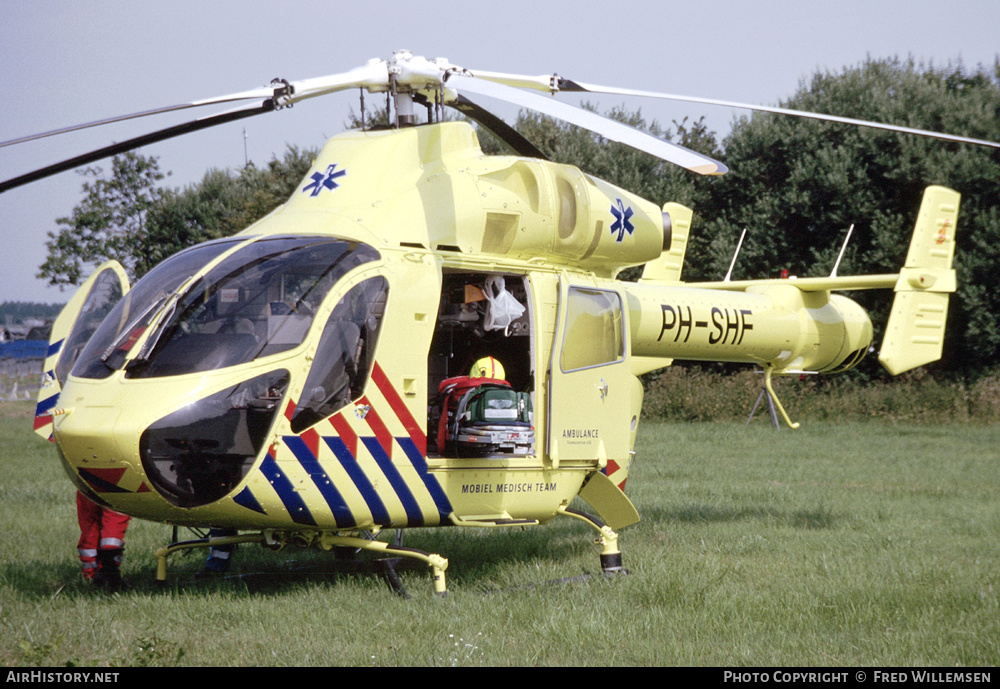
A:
(324, 180)
(622, 224)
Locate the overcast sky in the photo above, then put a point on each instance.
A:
(70, 62)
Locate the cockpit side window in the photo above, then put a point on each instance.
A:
(345, 354)
(105, 293)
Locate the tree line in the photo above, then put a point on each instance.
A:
(20, 311)
(794, 184)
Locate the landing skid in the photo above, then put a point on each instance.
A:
(344, 546)
(391, 555)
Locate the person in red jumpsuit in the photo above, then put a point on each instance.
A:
(102, 542)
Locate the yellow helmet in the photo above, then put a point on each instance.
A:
(487, 367)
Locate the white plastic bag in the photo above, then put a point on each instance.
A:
(502, 308)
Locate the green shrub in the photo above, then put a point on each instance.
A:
(691, 393)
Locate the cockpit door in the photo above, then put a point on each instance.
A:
(72, 330)
(589, 377)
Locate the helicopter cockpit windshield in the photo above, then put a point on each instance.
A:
(257, 301)
(228, 303)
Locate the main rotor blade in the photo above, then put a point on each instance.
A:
(138, 142)
(279, 95)
(575, 86)
(260, 93)
(501, 129)
(282, 93)
(609, 129)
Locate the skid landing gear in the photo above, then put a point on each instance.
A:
(436, 563)
(343, 545)
(392, 555)
(163, 553)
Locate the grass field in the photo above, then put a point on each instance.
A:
(839, 544)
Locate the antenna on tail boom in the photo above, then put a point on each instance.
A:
(737, 253)
(833, 273)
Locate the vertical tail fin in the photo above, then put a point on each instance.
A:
(914, 335)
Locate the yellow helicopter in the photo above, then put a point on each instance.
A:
(307, 380)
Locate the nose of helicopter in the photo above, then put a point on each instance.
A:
(89, 449)
(147, 450)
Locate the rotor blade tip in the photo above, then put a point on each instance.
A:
(711, 169)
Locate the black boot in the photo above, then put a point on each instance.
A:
(109, 574)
